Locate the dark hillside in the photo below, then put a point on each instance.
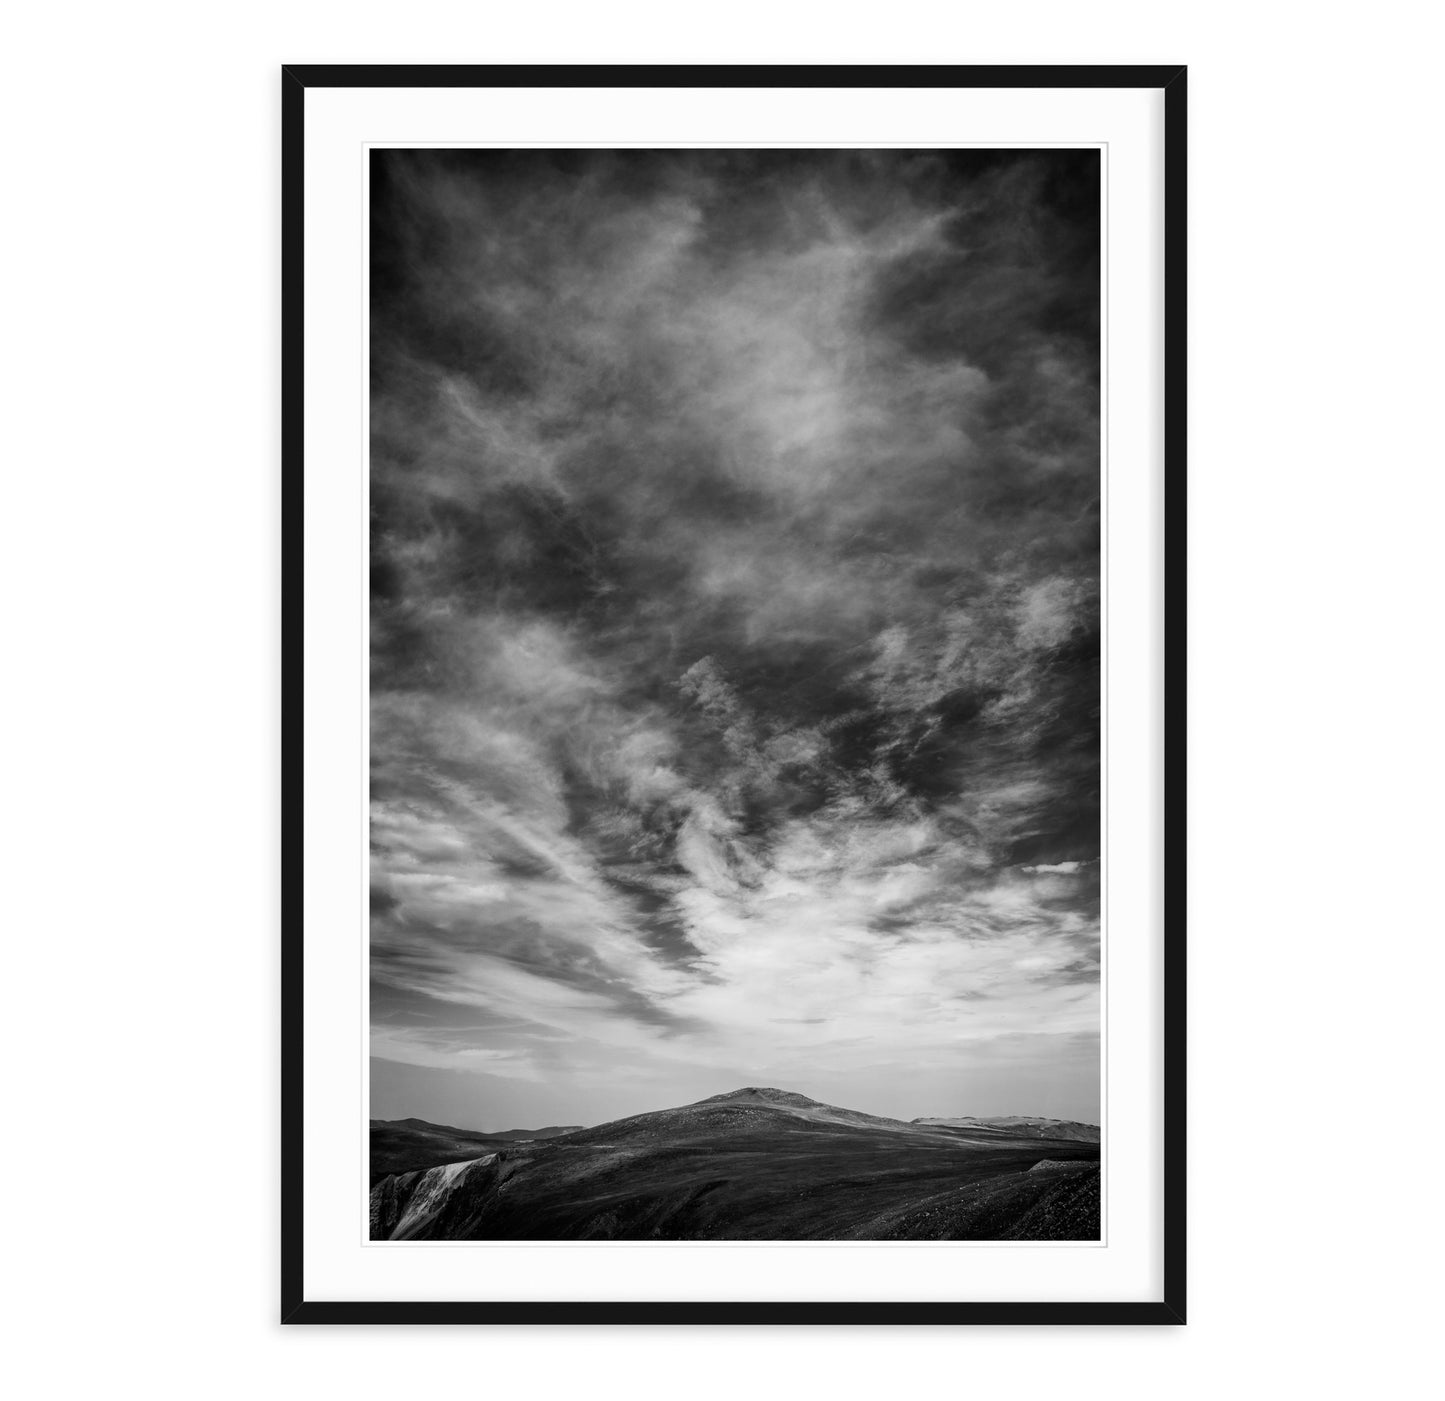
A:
(754, 1165)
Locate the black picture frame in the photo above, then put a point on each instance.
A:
(1170, 1308)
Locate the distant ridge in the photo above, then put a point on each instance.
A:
(1020, 1126)
(554, 1131)
(511, 1134)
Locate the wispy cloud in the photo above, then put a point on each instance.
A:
(735, 698)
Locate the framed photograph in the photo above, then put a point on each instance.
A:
(733, 714)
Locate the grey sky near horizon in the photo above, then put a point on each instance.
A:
(735, 631)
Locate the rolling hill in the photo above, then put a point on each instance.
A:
(753, 1164)
(1014, 1126)
(403, 1145)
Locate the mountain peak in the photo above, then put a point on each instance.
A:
(763, 1094)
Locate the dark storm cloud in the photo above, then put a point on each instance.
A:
(734, 604)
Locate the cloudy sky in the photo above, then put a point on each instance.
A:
(735, 690)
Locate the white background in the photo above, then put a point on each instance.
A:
(141, 190)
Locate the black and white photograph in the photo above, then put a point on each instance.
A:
(735, 706)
